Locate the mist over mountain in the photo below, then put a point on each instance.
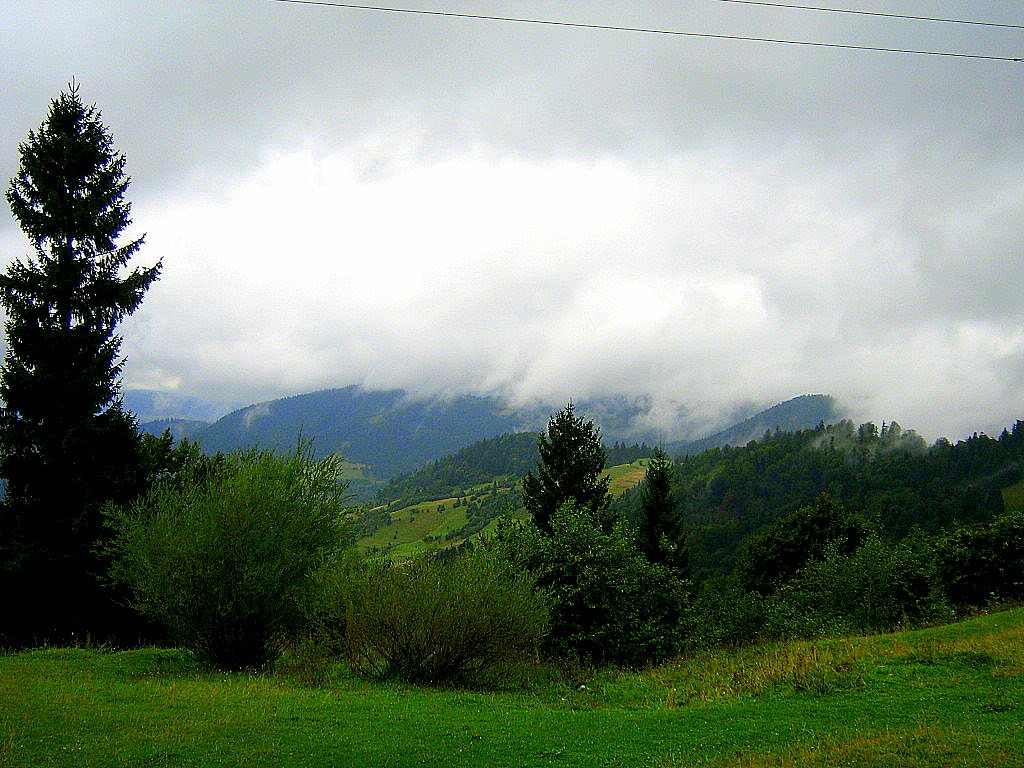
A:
(800, 412)
(151, 405)
(392, 432)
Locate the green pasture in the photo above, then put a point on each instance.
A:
(947, 696)
(626, 476)
(405, 535)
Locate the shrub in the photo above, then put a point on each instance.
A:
(878, 587)
(984, 563)
(435, 621)
(770, 558)
(726, 614)
(609, 604)
(222, 554)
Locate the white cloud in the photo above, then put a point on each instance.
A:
(350, 197)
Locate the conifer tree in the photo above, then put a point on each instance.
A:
(66, 445)
(571, 462)
(660, 523)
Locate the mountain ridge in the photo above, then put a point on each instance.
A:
(394, 433)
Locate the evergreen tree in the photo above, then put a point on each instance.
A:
(570, 469)
(66, 445)
(660, 522)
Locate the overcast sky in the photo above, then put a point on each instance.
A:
(539, 212)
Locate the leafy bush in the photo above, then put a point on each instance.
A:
(983, 563)
(725, 614)
(434, 620)
(878, 587)
(609, 604)
(773, 556)
(222, 553)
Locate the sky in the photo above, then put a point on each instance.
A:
(542, 212)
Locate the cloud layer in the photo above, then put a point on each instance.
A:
(454, 206)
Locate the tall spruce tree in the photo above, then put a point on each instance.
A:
(660, 522)
(571, 462)
(66, 445)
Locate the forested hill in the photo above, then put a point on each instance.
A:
(506, 456)
(888, 476)
(515, 454)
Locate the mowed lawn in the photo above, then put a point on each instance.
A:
(947, 696)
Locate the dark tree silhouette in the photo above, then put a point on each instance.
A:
(66, 445)
(660, 522)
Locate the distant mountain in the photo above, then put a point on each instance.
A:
(391, 433)
(179, 428)
(151, 405)
(803, 412)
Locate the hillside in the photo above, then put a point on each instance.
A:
(386, 431)
(389, 433)
(890, 478)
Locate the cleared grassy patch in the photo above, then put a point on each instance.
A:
(948, 696)
(626, 476)
(409, 526)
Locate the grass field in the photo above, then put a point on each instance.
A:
(626, 476)
(942, 697)
(405, 535)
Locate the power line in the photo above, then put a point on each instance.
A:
(877, 14)
(648, 30)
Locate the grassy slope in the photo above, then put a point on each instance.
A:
(949, 696)
(405, 535)
(422, 527)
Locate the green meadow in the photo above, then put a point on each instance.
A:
(945, 696)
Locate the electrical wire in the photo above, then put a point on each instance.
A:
(877, 14)
(648, 30)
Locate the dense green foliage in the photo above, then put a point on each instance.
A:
(887, 477)
(569, 469)
(441, 620)
(876, 587)
(224, 553)
(66, 446)
(984, 562)
(623, 453)
(659, 523)
(609, 603)
(777, 553)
